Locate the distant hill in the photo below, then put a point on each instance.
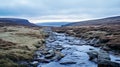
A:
(55, 24)
(104, 21)
(15, 21)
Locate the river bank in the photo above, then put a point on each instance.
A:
(18, 44)
(67, 51)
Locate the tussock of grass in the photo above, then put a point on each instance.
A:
(94, 34)
(18, 44)
(7, 63)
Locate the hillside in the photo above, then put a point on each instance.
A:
(104, 21)
(18, 42)
(15, 21)
(55, 24)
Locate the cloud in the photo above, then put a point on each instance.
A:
(62, 18)
(59, 9)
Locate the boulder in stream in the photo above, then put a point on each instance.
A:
(99, 57)
(50, 54)
(109, 64)
(93, 55)
(58, 56)
(103, 56)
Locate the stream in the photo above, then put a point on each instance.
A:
(74, 49)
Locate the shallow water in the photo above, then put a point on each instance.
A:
(74, 51)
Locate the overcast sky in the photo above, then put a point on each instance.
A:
(59, 10)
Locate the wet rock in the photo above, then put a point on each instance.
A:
(95, 60)
(99, 57)
(106, 48)
(50, 55)
(97, 45)
(104, 60)
(44, 52)
(42, 60)
(68, 62)
(58, 56)
(51, 51)
(93, 41)
(51, 40)
(58, 48)
(92, 55)
(103, 56)
(34, 63)
(117, 60)
(91, 49)
(108, 64)
(46, 56)
(74, 54)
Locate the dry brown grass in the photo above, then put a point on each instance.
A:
(18, 43)
(6, 45)
(108, 34)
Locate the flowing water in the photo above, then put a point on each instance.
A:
(75, 51)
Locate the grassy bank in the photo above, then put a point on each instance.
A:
(18, 43)
(109, 35)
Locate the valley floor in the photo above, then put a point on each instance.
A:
(84, 46)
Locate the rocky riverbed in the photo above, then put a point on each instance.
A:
(66, 51)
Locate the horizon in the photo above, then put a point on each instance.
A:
(41, 11)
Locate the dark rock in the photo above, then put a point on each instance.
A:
(58, 47)
(106, 48)
(58, 56)
(68, 62)
(115, 46)
(96, 45)
(103, 56)
(92, 55)
(108, 64)
(99, 57)
(95, 60)
(50, 55)
(91, 49)
(45, 52)
(117, 60)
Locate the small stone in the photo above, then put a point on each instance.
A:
(35, 62)
(48, 56)
(59, 49)
(117, 60)
(58, 56)
(91, 49)
(44, 52)
(42, 60)
(68, 62)
(96, 45)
